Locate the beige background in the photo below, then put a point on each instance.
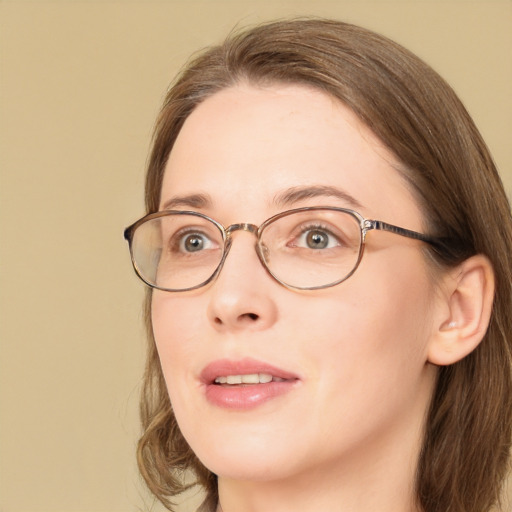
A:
(81, 82)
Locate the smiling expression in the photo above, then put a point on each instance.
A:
(266, 382)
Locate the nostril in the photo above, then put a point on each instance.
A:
(249, 316)
(246, 317)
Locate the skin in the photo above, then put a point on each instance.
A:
(347, 437)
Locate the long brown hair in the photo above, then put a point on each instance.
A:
(465, 452)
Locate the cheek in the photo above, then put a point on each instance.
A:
(371, 333)
(366, 355)
(172, 318)
(176, 320)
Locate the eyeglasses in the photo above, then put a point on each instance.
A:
(305, 248)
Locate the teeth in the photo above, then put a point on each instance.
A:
(265, 377)
(253, 378)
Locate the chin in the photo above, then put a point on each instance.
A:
(245, 457)
(245, 468)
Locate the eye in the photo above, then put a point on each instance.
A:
(316, 237)
(191, 242)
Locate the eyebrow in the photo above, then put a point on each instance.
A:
(192, 200)
(284, 199)
(296, 194)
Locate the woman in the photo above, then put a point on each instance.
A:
(287, 370)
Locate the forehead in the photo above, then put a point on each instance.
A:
(245, 145)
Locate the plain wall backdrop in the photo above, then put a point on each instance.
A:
(80, 86)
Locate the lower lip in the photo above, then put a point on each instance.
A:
(244, 397)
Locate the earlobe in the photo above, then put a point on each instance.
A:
(464, 312)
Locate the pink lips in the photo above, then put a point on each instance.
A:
(244, 396)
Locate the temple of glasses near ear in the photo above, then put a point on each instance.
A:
(304, 248)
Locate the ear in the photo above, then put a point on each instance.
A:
(463, 313)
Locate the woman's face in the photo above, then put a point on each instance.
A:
(353, 383)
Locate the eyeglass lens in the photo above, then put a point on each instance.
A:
(302, 249)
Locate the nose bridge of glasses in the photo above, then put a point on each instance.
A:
(249, 228)
(244, 226)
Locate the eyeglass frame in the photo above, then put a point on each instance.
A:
(365, 225)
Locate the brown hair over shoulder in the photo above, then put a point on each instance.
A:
(413, 111)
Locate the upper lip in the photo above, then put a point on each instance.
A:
(247, 366)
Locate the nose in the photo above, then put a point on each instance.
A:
(241, 296)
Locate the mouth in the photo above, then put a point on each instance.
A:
(245, 384)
